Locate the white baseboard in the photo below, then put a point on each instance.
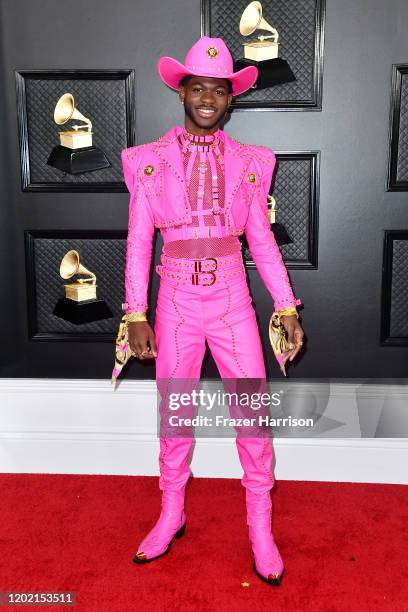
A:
(84, 427)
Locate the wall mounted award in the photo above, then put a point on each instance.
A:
(104, 254)
(262, 51)
(80, 304)
(281, 39)
(96, 112)
(295, 185)
(75, 154)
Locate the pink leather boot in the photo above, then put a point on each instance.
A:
(256, 459)
(268, 564)
(174, 474)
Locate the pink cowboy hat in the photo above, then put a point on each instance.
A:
(207, 57)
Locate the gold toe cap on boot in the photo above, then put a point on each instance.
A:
(274, 578)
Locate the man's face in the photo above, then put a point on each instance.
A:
(206, 100)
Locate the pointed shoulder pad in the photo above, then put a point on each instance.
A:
(262, 154)
(136, 154)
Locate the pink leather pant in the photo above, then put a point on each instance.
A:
(188, 316)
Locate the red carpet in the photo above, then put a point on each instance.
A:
(345, 545)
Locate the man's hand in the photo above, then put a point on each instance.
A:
(295, 336)
(142, 340)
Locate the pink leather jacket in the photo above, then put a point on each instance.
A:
(154, 176)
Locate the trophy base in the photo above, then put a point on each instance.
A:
(76, 139)
(270, 72)
(76, 161)
(280, 233)
(261, 50)
(82, 312)
(80, 292)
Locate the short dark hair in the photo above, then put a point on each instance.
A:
(184, 82)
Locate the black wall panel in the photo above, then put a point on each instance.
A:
(394, 313)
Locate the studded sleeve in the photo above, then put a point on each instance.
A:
(262, 244)
(139, 239)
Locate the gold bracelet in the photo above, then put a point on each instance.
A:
(134, 316)
(290, 310)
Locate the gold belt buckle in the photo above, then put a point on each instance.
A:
(197, 271)
(215, 261)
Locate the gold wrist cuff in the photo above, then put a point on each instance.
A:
(134, 316)
(290, 310)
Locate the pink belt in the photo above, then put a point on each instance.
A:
(204, 271)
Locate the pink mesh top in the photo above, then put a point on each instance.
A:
(203, 162)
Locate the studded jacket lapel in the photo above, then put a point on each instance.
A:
(235, 166)
(168, 150)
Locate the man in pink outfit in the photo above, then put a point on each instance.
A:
(203, 189)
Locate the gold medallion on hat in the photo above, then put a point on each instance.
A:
(212, 52)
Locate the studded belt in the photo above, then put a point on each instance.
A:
(203, 271)
(203, 264)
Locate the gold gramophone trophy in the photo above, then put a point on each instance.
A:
(279, 231)
(80, 304)
(262, 51)
(75, 154)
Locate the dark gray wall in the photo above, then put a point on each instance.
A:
(342, 298)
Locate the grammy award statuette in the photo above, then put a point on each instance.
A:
(262, 51)
(279, 230)
(80, 304)
(75, 154)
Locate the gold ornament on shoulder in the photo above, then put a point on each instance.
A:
(149, 170)
(251, 177)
